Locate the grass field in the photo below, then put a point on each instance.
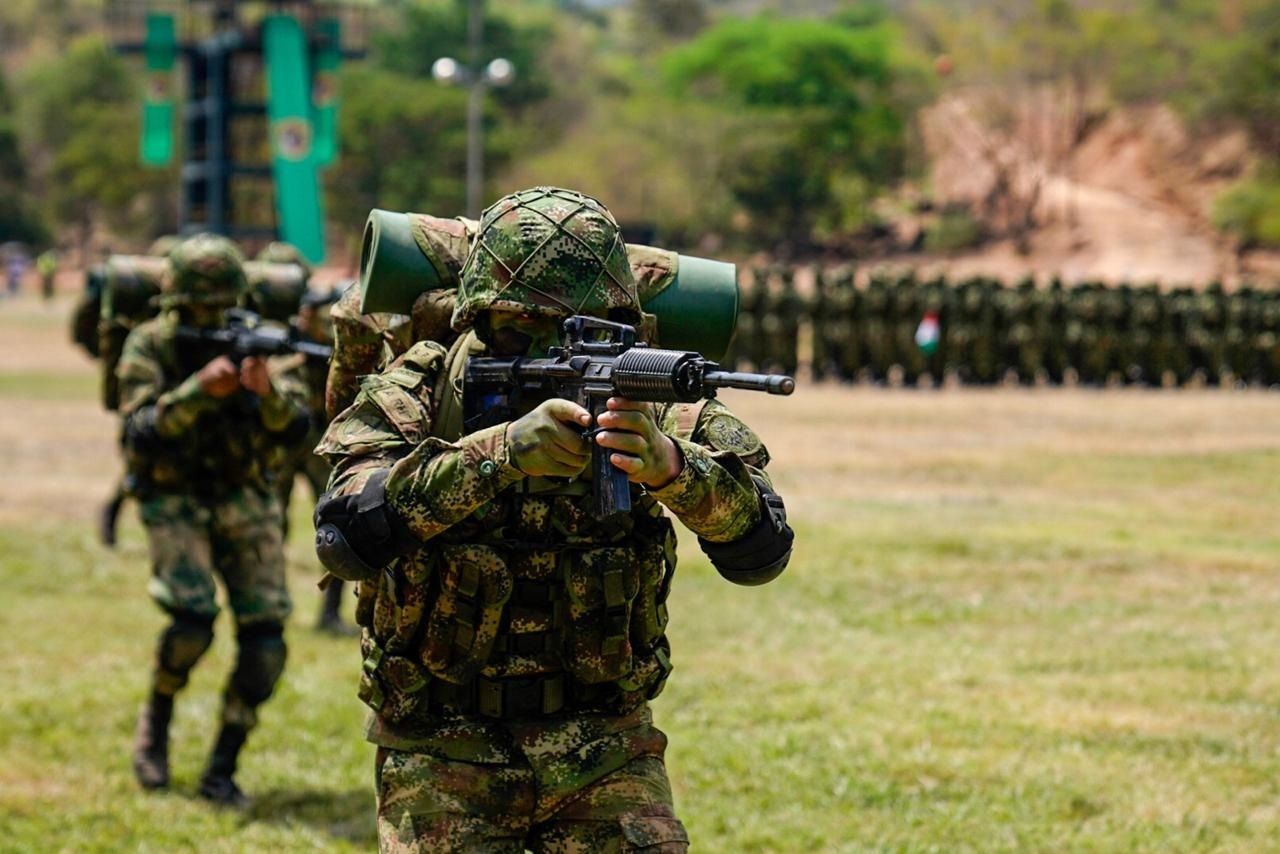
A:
(1036, 620)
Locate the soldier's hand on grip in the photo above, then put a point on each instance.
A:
(219, 378)
(645, 453)
(254, 377)
(548, 441)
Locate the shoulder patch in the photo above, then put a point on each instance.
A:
(723, 431)
(405, 412)
(359, 431)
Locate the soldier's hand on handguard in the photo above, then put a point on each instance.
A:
(548, 441)
(254, 376)
(645, 453)
(219, 378)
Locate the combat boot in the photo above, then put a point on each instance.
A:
(151, 743)
(218, 783)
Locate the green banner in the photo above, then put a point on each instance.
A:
(324, 89)
(157, 105)
(298, 202)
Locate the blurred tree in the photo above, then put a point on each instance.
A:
(677, 19)
(404, 135)
(403, 147)
(428, 30)
(823, 100)
(1250, 210)
(18, 220)
(81, 119)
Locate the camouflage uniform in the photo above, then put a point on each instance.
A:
(365, 343)
(313, 324)
(202, 483)
(130, 286)
(511, 650)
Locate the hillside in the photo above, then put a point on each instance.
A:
(1129, 201)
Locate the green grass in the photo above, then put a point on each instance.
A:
(990, 639)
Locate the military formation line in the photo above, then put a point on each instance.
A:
(901, 329)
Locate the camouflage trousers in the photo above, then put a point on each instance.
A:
(586, 783)
(237, 538)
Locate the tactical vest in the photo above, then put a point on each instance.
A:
(225, 450)
(530, 606)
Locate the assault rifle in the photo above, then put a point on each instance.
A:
(597, 360)
(247, 334)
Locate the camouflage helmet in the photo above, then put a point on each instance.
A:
(279, 252)
(163, 245)
(205, 269)
(546, 251)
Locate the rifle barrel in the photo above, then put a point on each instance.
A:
(771, 383)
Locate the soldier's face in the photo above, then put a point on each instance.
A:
(514, 333)
(204, 315)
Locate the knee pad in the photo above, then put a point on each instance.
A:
(182, 643)
(259, 663)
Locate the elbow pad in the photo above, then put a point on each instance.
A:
(358, 535)
(761, 555)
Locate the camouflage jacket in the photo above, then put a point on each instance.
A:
(360, 343)
(509, 560)
(178, 439)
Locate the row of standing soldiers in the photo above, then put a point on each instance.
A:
(899, 328)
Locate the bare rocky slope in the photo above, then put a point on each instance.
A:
(1121, 196)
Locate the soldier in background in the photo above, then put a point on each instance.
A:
(275, 294)
(47, 267)
(313, 324)
(198, 429)
(128, 297)
(839, 324)
(748, 339)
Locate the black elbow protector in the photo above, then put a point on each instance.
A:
(760, 556)
(357, 535)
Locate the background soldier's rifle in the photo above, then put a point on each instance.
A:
(247, 334)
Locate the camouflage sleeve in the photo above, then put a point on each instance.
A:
(142, 379)
(714, 495)
(286, 404)
(357, 346)
(441, 483)
(139, 374)
(433, 484)
(362, 345)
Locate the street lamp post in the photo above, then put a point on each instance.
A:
(498, 72)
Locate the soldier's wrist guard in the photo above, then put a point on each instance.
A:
(760, 555)
(358, 535)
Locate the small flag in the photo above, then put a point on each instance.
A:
(928, 333)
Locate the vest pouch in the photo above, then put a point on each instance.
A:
(649, 614)
(366, 596)
(391, 685)
(602, 585)
(474, 587)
